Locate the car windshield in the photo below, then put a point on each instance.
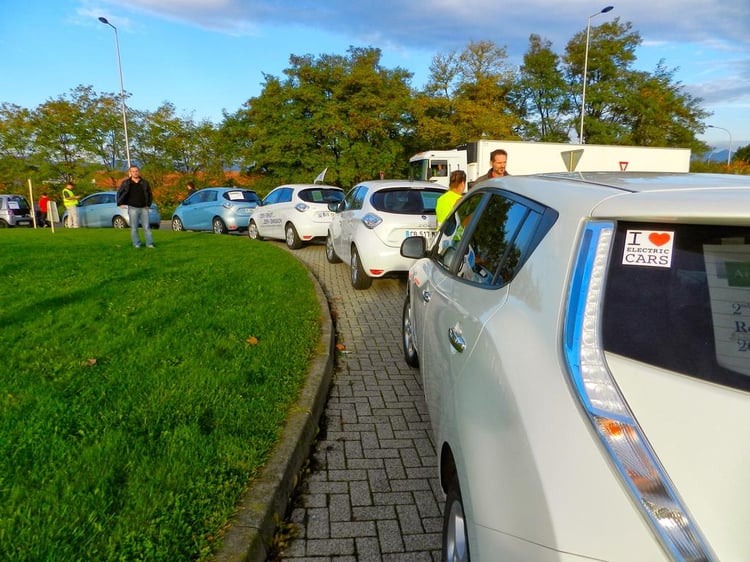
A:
(678, 297)
(243, 195)
(321, 195)
(406, 201)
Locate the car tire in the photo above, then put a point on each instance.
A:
(293, 240)
(177, 225)
(455, 540)
(407, 332)
(119, 222)
(330, 251)
(219, 226)
(4, 224)
(252, 231)
(360, 279)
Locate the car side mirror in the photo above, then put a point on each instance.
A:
(413, 247)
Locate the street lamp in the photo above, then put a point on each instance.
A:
(729, 156)
(586, 66)
(122, 89)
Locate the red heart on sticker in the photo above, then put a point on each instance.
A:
(659, 238)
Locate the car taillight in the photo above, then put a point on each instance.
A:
(301, 207)
(630, 452)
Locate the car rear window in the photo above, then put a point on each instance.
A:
(241, 195)
(406, 201)
(321, 195)
(18, 203)
(678, 297)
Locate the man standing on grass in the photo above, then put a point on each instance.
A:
(135, 193)
(70, 200)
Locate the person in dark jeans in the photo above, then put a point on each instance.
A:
(135, 193)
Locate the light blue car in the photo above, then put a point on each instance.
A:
(220, 209)
(101, 210)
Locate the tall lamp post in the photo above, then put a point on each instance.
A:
(122, 89)
(586, 67)
(729, 156)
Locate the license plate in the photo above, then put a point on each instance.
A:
(23, 223)
(426, 234)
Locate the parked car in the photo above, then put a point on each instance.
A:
(584, 344)
(101, 210)
(15, 211)
(295, 213)
(372, 221)
(221, 209)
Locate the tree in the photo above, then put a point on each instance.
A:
(542, 94)
(624, 106)
(742, 154)
(467, 97)
(344, 113)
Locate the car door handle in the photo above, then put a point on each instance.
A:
(426, 295)
(457, 341)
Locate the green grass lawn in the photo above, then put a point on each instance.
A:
(135, 401)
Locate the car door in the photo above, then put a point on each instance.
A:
(479, 251)
(90, 210)
(264, 214)
(101, 209)
(280, 211)
(348, 220)
(200, 212)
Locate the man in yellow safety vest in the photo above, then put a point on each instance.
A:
(70, 200)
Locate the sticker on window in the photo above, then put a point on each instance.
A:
(650, 248)
(728, 274)
(236, 196)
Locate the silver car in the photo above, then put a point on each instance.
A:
(584, 344)
(15, 211)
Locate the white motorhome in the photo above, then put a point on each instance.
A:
(546, 157)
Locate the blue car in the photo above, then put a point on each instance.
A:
(221, 209)
(101, 210)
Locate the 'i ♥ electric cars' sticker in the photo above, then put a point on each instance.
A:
(652, 248)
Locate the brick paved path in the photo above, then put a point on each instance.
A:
(372, 493)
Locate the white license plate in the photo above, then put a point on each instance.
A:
(426, 234)
(23, 223)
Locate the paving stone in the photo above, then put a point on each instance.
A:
(372, 494)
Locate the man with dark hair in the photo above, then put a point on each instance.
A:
(135, 193)
(498, 161)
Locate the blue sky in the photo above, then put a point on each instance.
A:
(206, 56)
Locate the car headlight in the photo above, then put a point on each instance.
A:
(632, 455)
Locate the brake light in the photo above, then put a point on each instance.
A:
(632, 455)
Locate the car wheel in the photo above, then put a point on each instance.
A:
(330, 252)
(292, 238)
(3, 224)
(455, 541)
(407, 331)
(252, 231)
(177, 224)
(360, 279)
(119, 222)
(219, 226)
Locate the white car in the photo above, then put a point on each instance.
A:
(295, 213)
(373, 220)
(584, 344)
